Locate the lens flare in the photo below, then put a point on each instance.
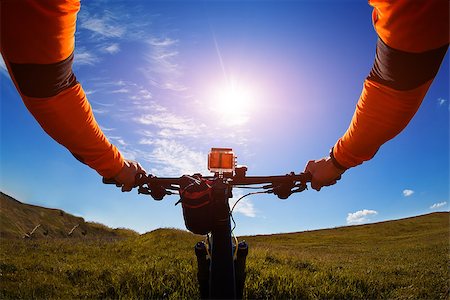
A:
(233, 103)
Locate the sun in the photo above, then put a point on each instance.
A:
(232, 102)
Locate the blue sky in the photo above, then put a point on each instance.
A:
(277, 81)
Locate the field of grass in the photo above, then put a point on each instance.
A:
(404, 259)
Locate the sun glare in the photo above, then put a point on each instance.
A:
(233, 103)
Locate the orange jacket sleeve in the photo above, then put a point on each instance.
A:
(37, 44)
(68, 118)
(381, 114)
(413, 39)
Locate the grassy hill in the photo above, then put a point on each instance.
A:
(407, 258)
(20, 220)
(400, 259)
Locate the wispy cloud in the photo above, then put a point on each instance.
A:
(170, 125)
(173, 86)
(130, 153)
(99, 111)
(117, 140)
(162, 42)
(119, 83)
(83, 57)
(112, 49)
(102, 104)
(121, 91)
(106, 129)
(104, 25)
(441, 101)
(163, 69)
(99, 107)
(172, 158)
(162, 55)
(89, 92)
(361, 216)
(438, 205)
(407, 193)
(142, 94)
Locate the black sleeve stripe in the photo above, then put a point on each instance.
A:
(402, 70)
(44, 80)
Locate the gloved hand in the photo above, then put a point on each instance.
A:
(324, 172)
(127, 175)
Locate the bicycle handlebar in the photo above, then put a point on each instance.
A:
(281, 185)
(249, 180)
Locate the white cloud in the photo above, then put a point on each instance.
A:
(109, 104)
(99, 111)
(408, 193)
(120, 91)
(112, 49)
(170, 125)
(163, 70)
(129, 153)
(162, 42)
(85, 58)
(105, 25)
(117, 140)
(441, 101)
(142, 94)
(438, 205)
(106, 129)
(171, 158)
(173, 86)
(165, 55)
(89, 92)
(361, 216)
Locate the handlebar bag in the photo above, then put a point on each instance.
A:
(196, 200)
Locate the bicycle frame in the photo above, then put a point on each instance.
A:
(222, 279)
(217, 278)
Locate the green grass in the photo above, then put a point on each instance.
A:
(404, 259)
(18, 219)
(400, 259)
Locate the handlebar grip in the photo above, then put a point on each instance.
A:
(110, 181)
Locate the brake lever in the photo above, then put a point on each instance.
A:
(268, 186)
(139, 180)
(300, 188)
(110, 181)
(147, 188)
(284, 190)
(143, 190)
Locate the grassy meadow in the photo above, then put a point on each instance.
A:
(403, 259)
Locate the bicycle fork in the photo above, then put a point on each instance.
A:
(204, 263)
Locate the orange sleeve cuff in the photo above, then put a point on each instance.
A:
(68, 118)
(39, 31)
(412, 26)
(380, 115)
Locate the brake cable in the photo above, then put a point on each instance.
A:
(249, 187)
(234, 205)
(270, 189)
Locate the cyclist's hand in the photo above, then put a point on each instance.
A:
(324, 173)
(127, 176)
